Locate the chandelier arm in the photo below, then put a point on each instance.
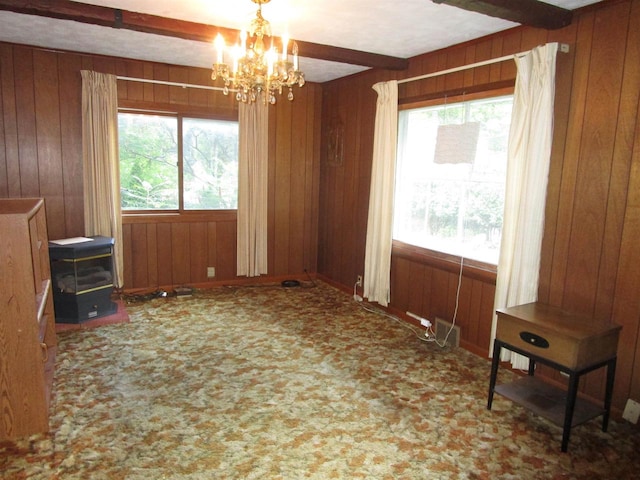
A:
(256, 71)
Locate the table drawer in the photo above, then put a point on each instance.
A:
(574, 352)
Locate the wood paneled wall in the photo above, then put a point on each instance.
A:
(590, 257)
(318, 200)
(41, 131)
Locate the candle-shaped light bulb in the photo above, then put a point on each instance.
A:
(295, 56)
(219, 43)
(285, 43)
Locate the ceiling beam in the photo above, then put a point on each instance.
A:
(170, 27)
(532, 13)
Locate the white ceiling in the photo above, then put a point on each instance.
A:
(390, 27)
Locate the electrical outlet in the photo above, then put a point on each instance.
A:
(631, 411)
(359, 281)
(211, 272)
(425, 323)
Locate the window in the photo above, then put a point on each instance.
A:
(451, 174)
(171, 162)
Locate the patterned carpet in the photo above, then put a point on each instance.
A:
(275, 383)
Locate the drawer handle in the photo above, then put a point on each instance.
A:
(534, 340)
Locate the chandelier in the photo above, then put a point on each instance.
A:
(256, 71)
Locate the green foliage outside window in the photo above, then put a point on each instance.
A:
(453, 206)
(210, 164)
(151, 155)
(148, 162)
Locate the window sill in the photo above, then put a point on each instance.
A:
(180, 217)
(473, 269)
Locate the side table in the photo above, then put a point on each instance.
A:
(569, 343)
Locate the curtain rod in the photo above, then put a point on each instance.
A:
(563, 47)
(173, 84)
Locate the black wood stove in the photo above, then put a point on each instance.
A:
(82, 277)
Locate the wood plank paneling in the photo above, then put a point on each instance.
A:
(226, 245)
(212, 244)
(180, 253)
(26, 122)
(564, 74)
(495, 70)
(463, 314)
(137, 263)
(312, 181)
(455, 57)
(164, 255)
(70, 83)
(198, 254)
(416, 274)
(589, 255)
(627, 301)
(9, 124)
(571, 154)
(282, 197)
(127, 254)
(626, 306)
(297, 184)
(42, 131)
(152, 257)
(594, 174)
(47, 104)
(512, 44)
(624, 106)
(4, 179)
(475, 301)
(481, 75)
(347, 234)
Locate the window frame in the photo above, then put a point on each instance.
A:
(176, 215)
(475, 269)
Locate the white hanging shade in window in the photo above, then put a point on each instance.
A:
(457, 143)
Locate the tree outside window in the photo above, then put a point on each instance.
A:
(170, 162)
(450, 180)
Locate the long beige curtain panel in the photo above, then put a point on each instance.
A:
(377, 261)
(252, 189)
(529, 154)
(101, 168)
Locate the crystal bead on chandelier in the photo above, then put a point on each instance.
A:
(256, 71)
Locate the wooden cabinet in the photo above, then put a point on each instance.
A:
(27, 323)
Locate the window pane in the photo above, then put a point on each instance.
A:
(148, 162)
(210, 162)
(450, 181)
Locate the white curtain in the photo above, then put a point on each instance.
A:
(101, 164)
(529, 153)
(377, 262)
(252, 189)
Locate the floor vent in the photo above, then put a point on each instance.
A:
(442, 329)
